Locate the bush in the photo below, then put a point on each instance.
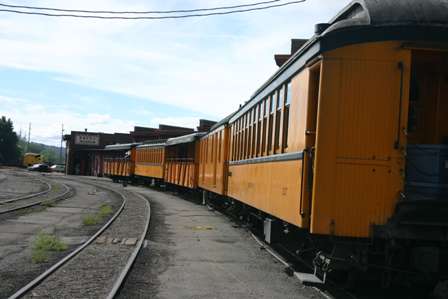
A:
(105, 210)
(43, 244)
(90, 220)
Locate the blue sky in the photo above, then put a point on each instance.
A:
(109, 76)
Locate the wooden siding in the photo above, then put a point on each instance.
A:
(272, 187)
(213, 161)
(358, 171)
(149, 162)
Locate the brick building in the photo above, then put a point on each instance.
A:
(85, 151)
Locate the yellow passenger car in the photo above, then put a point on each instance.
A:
(346, 142)
(182, 160)
(213, 168)
(150, 159)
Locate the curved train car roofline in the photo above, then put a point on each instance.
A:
(185, 139)
(363, 21)
(150, 145)
(119, 146)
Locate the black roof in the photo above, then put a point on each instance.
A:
(364, 21)
(391, 13)
(185, 139)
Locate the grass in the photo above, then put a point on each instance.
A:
(48, 203)
(90, 220)
(93, 219)
(105, 210)
(45, 243)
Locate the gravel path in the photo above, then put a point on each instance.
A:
(92, 273)
(196, 253)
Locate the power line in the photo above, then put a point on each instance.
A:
(151, 17)
(137, 12)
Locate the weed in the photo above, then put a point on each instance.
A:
(48, 203)
(105, 210)
(39, 256)
(45, 243)
(90, 220)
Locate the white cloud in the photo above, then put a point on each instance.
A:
(46, 126)
(208, 65)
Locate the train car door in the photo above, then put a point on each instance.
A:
(310, 142)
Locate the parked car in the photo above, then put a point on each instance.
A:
(58, 168)
(40, 168)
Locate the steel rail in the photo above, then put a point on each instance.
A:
(36, 203)
(49, 188)
(35, 282)
(127, 268)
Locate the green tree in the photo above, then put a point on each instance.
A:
(9, 150)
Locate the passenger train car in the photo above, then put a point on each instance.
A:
(344, 150)
(150, 161)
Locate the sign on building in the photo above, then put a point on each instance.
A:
(87, 139)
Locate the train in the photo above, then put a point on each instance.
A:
(29, 159)
(342, 154)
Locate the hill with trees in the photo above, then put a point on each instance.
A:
(9, 149)
(13, 147)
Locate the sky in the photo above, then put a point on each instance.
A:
(112, 75)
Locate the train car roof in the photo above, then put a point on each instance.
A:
(160, 144)
(185, 139)
(222, 122)
(120, 147)
(359, 22)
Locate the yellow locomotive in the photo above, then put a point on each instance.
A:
(29, 159)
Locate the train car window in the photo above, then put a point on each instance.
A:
(215, 146)
(237, 142)
(219, 147)
(270, 129)
(272, 103)
(288, 94)
(232, 128)
(280, 98)
(206, 150)
(277, 130)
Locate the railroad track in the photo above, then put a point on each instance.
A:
(29, 179)
(119, 276)
(48, 188)
(34, 199)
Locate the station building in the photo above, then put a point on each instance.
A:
(85, 151)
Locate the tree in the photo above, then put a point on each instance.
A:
(9, 150)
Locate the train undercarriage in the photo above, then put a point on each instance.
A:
(400, 253)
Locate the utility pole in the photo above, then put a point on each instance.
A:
(29, 138)
(62, 140)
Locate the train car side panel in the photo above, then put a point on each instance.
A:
(359, 161)
(149, 161)
(213, 161)
(272, 184)
(271, 187)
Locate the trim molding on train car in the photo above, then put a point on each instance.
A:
(148, 164)
(274, 158)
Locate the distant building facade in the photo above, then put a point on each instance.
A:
(85, 151)
(82, 148)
